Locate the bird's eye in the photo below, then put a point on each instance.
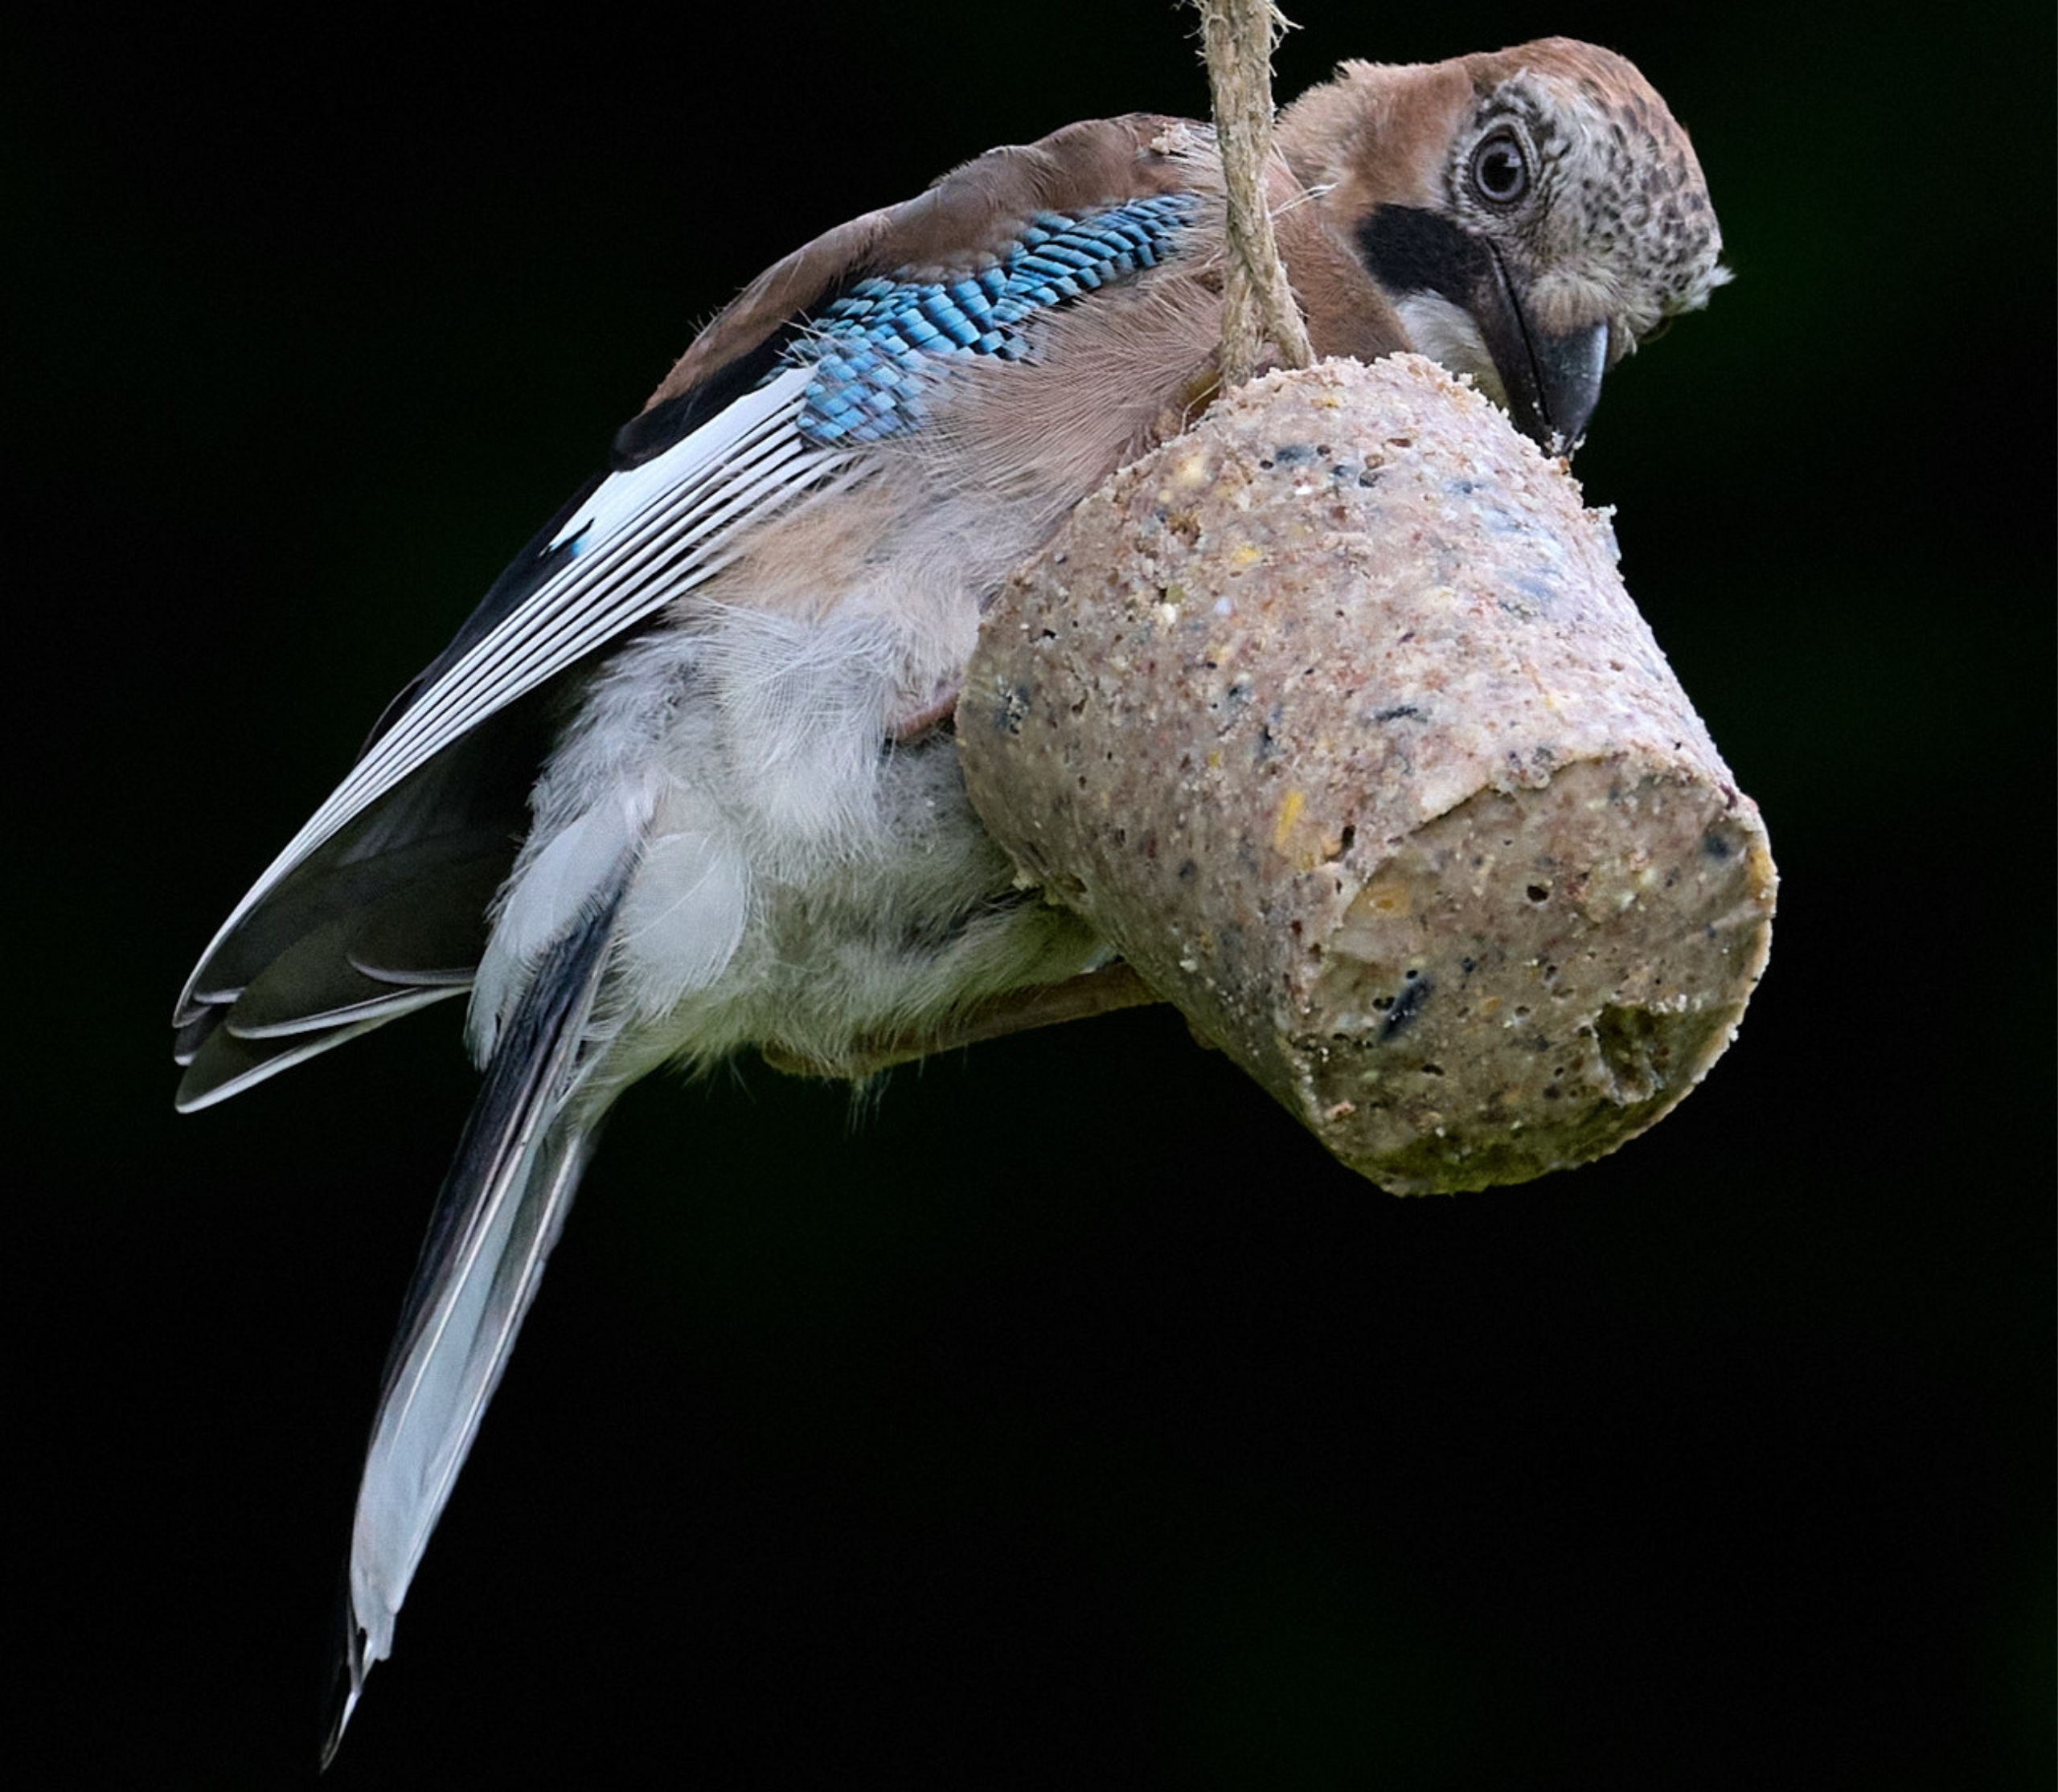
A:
(1499, 169)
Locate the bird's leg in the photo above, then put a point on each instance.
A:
(941, 706)
(1097, 992)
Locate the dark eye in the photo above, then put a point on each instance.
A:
(1499, 169)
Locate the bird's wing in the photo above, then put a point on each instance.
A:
(645, 535)
(822, 355)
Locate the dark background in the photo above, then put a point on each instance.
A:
(1068, 1419)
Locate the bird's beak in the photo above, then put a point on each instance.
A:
(1553, 382)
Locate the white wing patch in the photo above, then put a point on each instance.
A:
(647, 536)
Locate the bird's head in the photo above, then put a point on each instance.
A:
(1533, 213)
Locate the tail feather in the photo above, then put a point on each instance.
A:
(495, 1221)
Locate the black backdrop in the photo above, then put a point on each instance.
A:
(1067, 1418)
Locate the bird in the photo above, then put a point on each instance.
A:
(684, 783)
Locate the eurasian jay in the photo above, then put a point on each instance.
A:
(683, 783)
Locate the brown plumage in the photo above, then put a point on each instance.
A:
(672, 792)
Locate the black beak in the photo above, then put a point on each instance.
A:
(1553, 383)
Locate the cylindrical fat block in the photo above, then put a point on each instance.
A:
(1333, 714)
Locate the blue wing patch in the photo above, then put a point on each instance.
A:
(869, 345)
